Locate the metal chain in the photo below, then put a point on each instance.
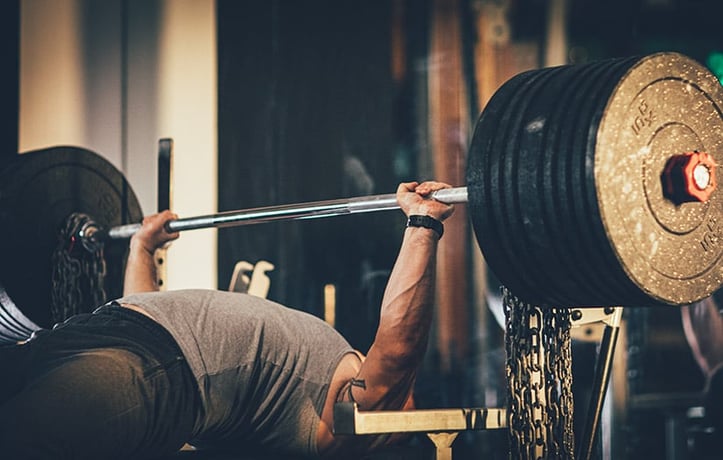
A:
(539, 377)
(77, 273)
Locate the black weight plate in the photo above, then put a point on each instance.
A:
(522, 182)
(544, 178)
(39, 190)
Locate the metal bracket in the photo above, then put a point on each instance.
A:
(610, 316)
(443, 444)
(257, 284)
(441, 425)
(165, 192)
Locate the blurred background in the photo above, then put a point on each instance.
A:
(284, 101)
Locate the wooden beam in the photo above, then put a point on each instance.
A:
(449, 133)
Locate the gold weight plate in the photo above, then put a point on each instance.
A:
(667, 104)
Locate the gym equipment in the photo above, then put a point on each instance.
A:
(565, 178)
(40, 192)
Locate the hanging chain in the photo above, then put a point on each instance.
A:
(78, 273)
(539, 377)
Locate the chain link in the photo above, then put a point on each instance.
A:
(539, 377)
(77, 273)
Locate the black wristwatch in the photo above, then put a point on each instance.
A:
(426, 222)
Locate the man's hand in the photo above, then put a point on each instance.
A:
(415, 198)
(140, 275)
(152, 234)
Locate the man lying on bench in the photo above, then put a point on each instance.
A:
(144, 374)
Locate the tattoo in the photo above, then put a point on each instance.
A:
(361, 383)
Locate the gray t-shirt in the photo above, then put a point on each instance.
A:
(263, 369)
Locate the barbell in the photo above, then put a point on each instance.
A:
(586, 185)
(94, 235)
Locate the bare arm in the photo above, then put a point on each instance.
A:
(140, 274)
(386, 376)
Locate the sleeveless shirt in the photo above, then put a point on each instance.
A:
(263, 370)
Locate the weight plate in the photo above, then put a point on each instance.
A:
(666, 105)
(529, 197)
(565, 195)
(39, 190)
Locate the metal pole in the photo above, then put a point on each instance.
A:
(603, 367)
(309, 210)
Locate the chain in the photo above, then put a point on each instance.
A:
(539, 377)
(77, 273)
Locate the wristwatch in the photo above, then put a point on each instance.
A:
(426, 222)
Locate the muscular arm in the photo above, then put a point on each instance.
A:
(140, 274)
(386, 376)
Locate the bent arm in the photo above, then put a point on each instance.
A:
(140, 273)
(387, 375)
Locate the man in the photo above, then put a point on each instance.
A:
(152, 370)
(703, 327)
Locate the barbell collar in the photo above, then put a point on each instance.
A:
(298, 211)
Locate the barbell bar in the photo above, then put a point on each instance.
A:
(92, 235)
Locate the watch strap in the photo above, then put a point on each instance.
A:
(426, 222)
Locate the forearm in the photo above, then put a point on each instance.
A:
(407, 305)
(140, 273)
(386, 377)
